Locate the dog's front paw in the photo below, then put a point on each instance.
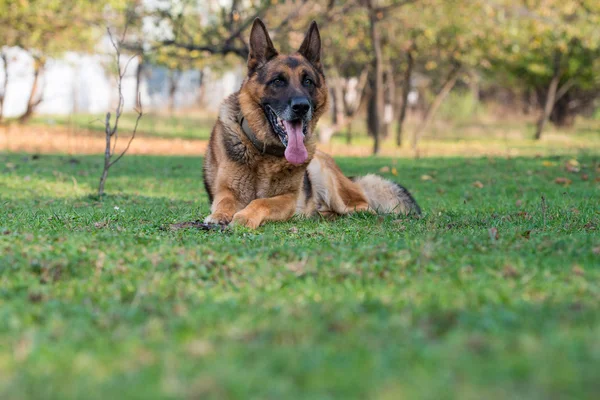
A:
(218, 218)
(243, 219)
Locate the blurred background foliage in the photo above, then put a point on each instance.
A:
(386, 60)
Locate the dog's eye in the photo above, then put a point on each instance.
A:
(308, 82)
(278, 82)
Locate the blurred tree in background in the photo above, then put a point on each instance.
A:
(377, 53)
(550, 48)
(49, 28)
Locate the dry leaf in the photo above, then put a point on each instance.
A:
(394, 171)
(563, 181)
(297, 267)
(547, 163)
(493, 233)
(572, 166)
(385, 169)
(509, 271)
(478, 184)
(426, 177)
(518, 203)
(524, 214)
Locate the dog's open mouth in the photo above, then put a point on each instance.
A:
(291, 134)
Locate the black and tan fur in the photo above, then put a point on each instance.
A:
(248, 178)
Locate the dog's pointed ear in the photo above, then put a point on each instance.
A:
(311, 46)
(261, 46)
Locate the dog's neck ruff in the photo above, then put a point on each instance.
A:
(263, 148)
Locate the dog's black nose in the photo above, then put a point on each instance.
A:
(300, 105)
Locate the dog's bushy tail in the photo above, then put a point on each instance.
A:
(386, 196)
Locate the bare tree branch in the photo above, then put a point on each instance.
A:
(112, 132)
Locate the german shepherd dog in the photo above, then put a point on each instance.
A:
(262, 164)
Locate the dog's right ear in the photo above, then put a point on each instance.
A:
(261, 46)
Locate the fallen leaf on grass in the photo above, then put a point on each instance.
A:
(297, 268)
(509, 271)
(547, 163)
(563, 181)
(518, 203)
(572, 166)
(385, 169)
(585, 177)
(493, 233)
(394, 171)
(577, 270)
(100, 225)
(478, 184)
(426, 177)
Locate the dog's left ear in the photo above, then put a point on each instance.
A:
(311, 46)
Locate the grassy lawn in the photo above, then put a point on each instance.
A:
(493, 294)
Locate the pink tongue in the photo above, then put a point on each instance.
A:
(295, 152)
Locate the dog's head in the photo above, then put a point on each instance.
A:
(283, 96)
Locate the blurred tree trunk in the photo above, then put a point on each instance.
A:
(349, 106)
(550, 97)
(474, 88)
(349, 134)
(138, 77)
(32, 102)
(389, 97)
(200, 90)
(530, 101)
(437, 102)
(378, 91)
(4, 58)
(337, 99)
(403, 103)
(173, 84)
(562, 114)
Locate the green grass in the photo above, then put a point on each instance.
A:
(490, 295)
(152, 125)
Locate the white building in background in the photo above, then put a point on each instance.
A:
(79, 83)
